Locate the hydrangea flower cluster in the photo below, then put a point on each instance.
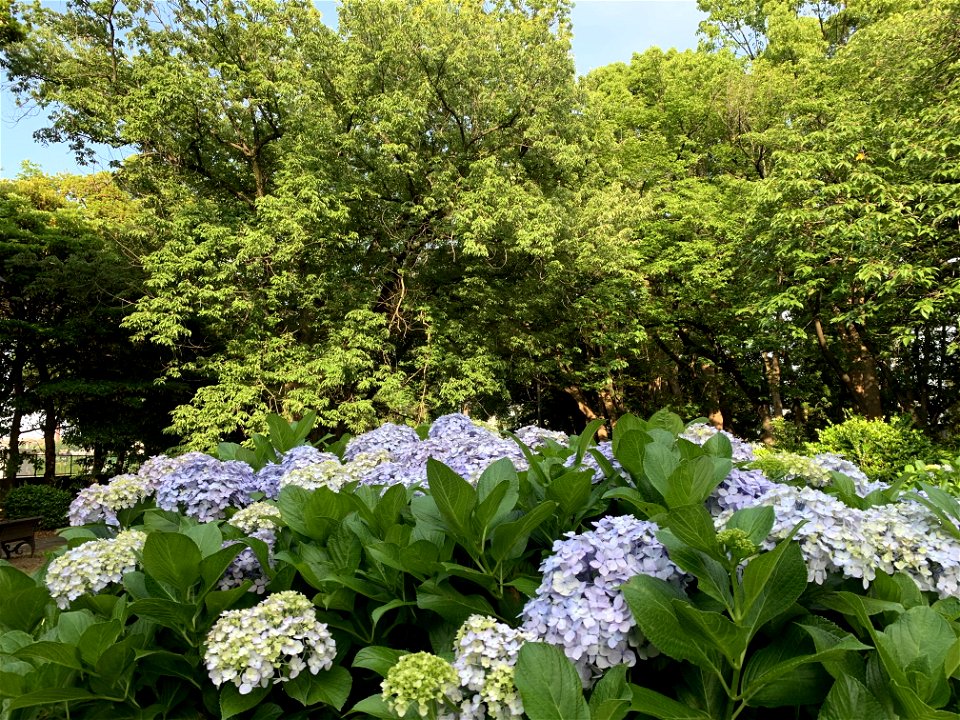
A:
(102, 502)
(901, 537)
(739, 489)
(268, 477)
(258, 520)
(333, 474)
(485, 655)
(455, 440)
(388, 438)
(90, 567)
(579, 606)
(534, 436)
(272, 642)
(204, 487)
(425, 679)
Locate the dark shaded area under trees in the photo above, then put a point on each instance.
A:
(426, 211)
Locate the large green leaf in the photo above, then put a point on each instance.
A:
(651, 600)
(510, 539)
(173, 560)
(376, 658)
(757, 522)
(849, 699)
(659, 463)
(451, 604)
(233, 703)
(330, 687)
(650, 702)
(772, 582)
(54, 652)
(693, 525)
(548, 684)
(571, 491)
(455, 498)
(50, 696)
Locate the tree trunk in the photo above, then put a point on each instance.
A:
(13, 451)
(865, 382)
(771, 364)
(576, 392)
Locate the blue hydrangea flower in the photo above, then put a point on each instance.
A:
(204, 487)
(387, 438)
(267, 479)
(579, 606)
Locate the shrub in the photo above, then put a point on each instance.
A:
(881, 448)
(47, 502)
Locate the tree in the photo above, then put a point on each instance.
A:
(66, 287)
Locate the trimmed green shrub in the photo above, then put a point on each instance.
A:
(880, 447)
(47, 502)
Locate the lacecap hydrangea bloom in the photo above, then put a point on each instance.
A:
(271, 642)
(92, 566)
(485, 656)
(204, 487)
(259, 521)
(100, 503)
(424, 680)
(579, 606)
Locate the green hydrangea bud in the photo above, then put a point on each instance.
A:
(736, 542)
(424, 679)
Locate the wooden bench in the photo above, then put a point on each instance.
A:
(17, 534)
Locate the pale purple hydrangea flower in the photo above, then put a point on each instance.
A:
(204, 487)
(839, 539)
(387, 438)
(468, 449)
(579, 606)
(836, 463)
(740, 488)
(101, 503)
(535, 437)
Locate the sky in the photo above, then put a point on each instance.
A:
(604, 31)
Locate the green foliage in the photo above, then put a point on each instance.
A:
(880, 448)
(47, 502)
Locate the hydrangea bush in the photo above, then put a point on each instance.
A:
(561, 574)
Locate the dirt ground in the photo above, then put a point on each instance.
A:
(47, 541)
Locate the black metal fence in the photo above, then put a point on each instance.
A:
(68, 464)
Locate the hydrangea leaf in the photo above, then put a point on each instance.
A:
(330, 687)
(233, 703)
(377, 658)
(510, 539)
(172, 559)
(570, 491)
(651, 602)
(497, 504)
(654, 704)
(849, 699)
(757, 522)
(53, 652)
(549, 684)
(455, 498)
(772, 582)
(659, 463)
(451, 604)
(51, 696)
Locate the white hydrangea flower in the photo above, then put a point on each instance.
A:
(836, 538)
(90, 567)
(102, 502)
(258, 516)
(271, 642)
(485, 655)
(333, 474)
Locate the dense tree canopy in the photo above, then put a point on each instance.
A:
(426, 210)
